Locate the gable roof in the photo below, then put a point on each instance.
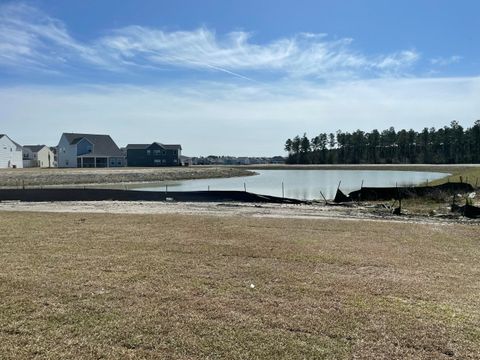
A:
(103, 145)
(19, 147)
(34, 148)
(145, 146)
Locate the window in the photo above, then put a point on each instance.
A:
(164, 152)
(149, 152)
(157, 152)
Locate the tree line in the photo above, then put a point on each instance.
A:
(448, 145)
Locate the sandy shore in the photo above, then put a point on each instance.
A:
(55, 177)
(315, 211)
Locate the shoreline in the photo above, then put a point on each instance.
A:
(360, 213)
(61, 177)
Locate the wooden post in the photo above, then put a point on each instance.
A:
(323, 197)
(23, 184)
(245, 186)
(208, 188)
(283, 190)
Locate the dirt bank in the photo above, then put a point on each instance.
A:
(52, 177)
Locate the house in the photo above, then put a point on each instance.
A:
(186, 160)
(277, 160)
(155, 154)
(38, 156)
(54, 151)
(10, 153)
(88, 151)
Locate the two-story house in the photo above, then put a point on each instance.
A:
(155, 154)
(38, 156)
(10, 153)
(88, 151)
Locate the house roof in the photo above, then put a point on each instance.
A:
(34, 148)
(103, 145)
(145, 146)
(19, 147)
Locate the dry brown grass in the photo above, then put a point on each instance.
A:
(85, 286)
(54, 176)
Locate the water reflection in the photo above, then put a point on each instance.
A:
(302, 184)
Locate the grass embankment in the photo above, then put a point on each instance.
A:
(169, 286)
(467, 174)
(52, 177)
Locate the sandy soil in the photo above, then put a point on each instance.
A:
(55, 177)
(315, 211)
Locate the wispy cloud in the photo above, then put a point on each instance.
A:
(31, 39)
(444, 61)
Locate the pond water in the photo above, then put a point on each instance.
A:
(301, 184)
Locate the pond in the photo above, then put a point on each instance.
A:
(301, 184)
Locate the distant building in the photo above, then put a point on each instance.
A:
(10, 153)
(277, 160)
(53, 149)
(155, 154)
(185, 160)
(88, 151)
(38, 156)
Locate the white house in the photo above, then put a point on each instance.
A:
(10, 153)
(38, 156)
(88, 150)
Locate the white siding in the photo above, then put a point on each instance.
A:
(42, 157)
(9, 155)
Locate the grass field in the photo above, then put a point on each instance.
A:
(90, 286)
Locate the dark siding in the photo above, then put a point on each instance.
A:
(152, 156)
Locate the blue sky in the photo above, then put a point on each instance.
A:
(234, 77)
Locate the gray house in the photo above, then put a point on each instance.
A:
(88, 151)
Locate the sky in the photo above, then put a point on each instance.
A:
(234, 77)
